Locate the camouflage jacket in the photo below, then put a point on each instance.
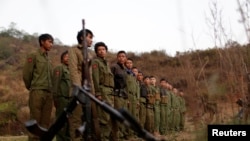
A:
(101, 75)
(37, 71)
(61, 81)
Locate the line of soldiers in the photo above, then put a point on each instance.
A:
(159, 109)
(163, 105)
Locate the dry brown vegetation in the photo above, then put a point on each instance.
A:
(212, 80)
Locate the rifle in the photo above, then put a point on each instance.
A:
(80, 95)
(90, 106)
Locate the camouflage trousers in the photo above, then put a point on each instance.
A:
(142, 114)
(118, 130)
(103, 116)
(176, 120)
(157, 116)
(149, 125)
(40, 104)
(164, 119)
(133, 110)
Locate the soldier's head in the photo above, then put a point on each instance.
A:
(65, 57)
(129, 63)
(140, 76)
(121, 57)
(88, 35)
(135, 71)
(152, 80)
(101, 49)
(46, 41)
(163, 82)
(146, 80)
(181, 92)
(175, 91)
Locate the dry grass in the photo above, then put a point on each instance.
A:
(13, 138)
(211, 75)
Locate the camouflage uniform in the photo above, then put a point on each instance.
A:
(61, 91)
(165, 105)
(120, 98)
(133, 92)
(156, 91)
(149, 124)
(143, 100)
(103, 81)
(75, 69)
(175, 113)
(37, 75)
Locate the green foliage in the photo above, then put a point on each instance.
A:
(8, 112)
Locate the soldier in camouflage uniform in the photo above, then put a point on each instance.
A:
(176, 110)
(120, 94)
(170, 115)
(182, 110)
(133, 91)
(61, 91)
(142, 99)
(103, 82)
(156, 90)
(140, 77)
(37, 76)
(165, 105)
(75, 68)
(147, 91)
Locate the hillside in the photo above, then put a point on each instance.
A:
(212, 79)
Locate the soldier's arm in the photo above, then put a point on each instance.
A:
(95, 77)
(28, 70)
(73, 69)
